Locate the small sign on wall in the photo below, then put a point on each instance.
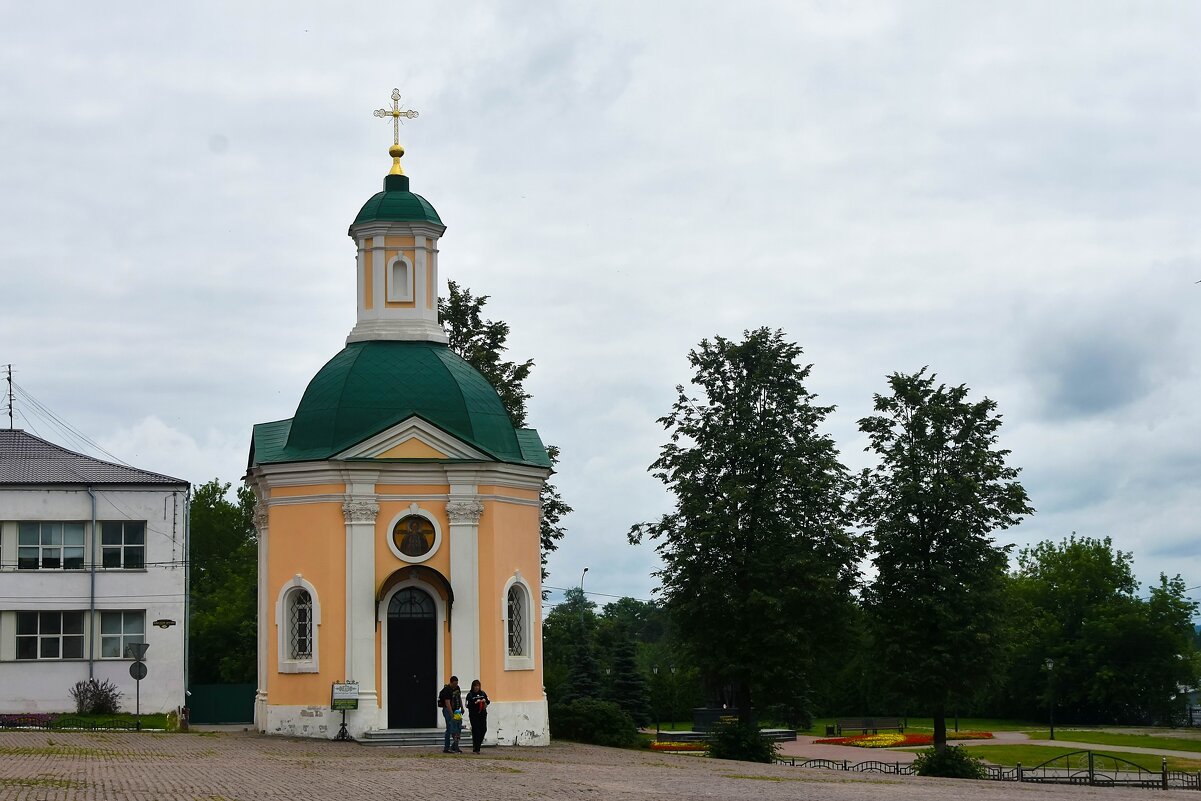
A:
(345, 696)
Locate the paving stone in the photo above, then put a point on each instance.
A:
(246, 766)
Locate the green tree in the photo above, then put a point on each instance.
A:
(1117, 658)
(568, 646)
(939, 490)
(758, 564)
(482, 344)
(626, 685)
(222, 640)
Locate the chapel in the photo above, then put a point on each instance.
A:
(398, 514)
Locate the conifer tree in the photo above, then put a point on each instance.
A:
(627, 686)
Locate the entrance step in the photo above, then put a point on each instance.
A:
(411, 738)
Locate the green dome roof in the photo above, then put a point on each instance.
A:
(397, 204)
(371, 386)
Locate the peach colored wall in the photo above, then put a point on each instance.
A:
(386, 562)
(509, 540)
(368, 281)
(308, 539)
(412, 489)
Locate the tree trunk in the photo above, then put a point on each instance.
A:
(742, 699)
(940, 728)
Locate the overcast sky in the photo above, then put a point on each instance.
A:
(1008, 193)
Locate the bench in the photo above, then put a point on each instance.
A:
(872, 725)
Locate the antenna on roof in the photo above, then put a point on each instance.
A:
(9, 368)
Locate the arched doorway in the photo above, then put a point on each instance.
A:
(412, 660)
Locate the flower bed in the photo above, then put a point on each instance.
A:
(670, 746)
(896, 740)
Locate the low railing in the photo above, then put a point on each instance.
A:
(1076, 767)
(54, 722)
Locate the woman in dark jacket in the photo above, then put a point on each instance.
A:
(477, 710)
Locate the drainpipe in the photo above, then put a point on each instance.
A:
(187, 586)
(91, 627)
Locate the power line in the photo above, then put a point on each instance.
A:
(67, 428)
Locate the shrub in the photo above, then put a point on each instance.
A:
(953, 762)
(597, 722)
(94, 697)
(732, 739)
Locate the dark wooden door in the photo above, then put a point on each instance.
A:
(412, 661)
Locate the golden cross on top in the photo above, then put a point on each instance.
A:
(395, 113)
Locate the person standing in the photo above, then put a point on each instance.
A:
(477, 711)
(451, 701)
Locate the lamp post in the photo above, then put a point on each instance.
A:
(582, 599)
(655, 670)
(675, 696)
(1050, 665)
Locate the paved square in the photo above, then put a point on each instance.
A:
(105, 766)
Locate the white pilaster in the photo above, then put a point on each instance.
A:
(359, 511)
(464, 510)
(264, 621)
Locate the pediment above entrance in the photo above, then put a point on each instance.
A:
(413, 438)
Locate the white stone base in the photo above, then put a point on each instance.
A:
(301, 721)
(518, 723)
(509, 722)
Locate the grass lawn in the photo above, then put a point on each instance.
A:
(1188, 743)
(976, 724)
(1031, 755)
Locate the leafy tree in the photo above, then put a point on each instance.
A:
(758, 565)
(939, 490)
(222, 640)
(1117, 658)
(482, 344)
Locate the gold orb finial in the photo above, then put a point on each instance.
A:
(396, 113)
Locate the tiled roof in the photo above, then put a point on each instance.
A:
(26, 459)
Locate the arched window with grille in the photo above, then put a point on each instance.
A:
(300, 625)
(297, 622)
(519, 650)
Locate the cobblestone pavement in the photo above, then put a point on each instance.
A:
(251, 767)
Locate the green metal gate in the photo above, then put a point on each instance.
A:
(221, 703)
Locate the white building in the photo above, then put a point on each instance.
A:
(92, 559)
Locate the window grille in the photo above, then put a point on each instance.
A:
(123, 545)
(50, 546)
(49, 635)
(118, 630)
(411, 603)
(516, 620)
(300, 625)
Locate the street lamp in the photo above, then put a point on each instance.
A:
(655, 670)
(675, 696)
(582, 598)
(1050, 665)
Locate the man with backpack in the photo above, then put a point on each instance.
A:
(450, 701)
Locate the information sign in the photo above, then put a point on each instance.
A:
(345, 695)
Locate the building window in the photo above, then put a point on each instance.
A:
(300, 625)
(118, 630)
(297, 627)
(517, 633)
(50, 546)
(123, 545)
(49, 635)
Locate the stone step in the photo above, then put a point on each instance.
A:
(412, 738)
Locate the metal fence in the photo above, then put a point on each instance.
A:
(1077, 767)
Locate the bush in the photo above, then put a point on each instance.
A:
(94, 697)
(732, 739)
(597, 722)
(953, 762)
